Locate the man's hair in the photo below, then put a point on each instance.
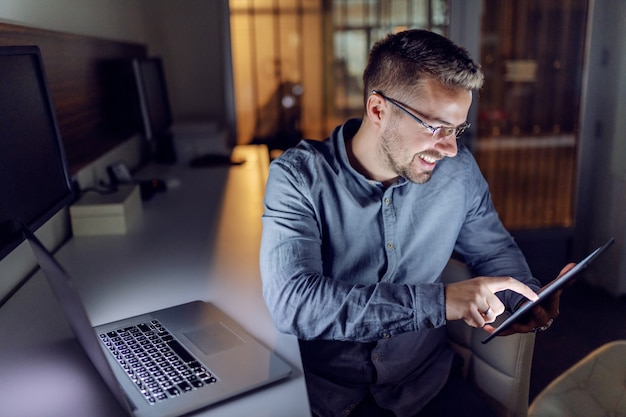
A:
(401, 61)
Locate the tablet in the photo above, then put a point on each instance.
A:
(549, 289)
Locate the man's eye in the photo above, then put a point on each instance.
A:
(447, 131)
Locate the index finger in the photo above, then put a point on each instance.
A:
(510, 283)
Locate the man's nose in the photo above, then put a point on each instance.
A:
(447, 146)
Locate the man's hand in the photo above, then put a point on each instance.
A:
(475, 302)
(541, 315)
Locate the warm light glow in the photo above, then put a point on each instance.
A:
(268, 50)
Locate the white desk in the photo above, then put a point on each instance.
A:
(198, 240)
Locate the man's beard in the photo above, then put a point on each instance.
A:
(391, 152)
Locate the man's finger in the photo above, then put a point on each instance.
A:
(508, 283)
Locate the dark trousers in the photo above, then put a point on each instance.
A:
(458, 398)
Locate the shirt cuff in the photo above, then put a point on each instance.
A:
(430, 306)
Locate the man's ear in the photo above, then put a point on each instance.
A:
(375, 107)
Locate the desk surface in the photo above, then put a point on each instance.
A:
(198, 240)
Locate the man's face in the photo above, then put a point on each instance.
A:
(410, 149)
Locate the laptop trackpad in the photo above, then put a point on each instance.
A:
(214, 338)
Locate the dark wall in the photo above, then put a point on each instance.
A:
(87, 88)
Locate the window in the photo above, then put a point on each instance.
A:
(298, 63)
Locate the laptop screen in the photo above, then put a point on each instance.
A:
(34, 182)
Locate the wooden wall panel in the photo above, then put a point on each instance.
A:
(87, 88)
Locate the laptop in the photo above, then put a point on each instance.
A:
(163, 363)
(167, 362)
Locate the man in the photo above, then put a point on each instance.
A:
(358, 228)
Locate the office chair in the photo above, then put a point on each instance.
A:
(500, 368)
(593, 387)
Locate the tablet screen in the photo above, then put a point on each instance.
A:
(549, 289)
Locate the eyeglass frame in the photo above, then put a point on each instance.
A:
(457, 131)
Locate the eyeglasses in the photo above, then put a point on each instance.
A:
(439, 132)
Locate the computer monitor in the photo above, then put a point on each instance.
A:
(153, 98)
(154, 106)
(34, 180)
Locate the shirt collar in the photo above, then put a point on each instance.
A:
(346, 132)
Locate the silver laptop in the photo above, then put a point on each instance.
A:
(167, 362)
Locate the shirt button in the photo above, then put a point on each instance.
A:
(389, 245)
(387, 201)
(386, 335)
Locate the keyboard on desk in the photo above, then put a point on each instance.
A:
(158, 364)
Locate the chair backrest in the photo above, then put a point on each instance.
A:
(594, 386)
(500, 368)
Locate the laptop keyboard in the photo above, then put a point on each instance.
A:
(156, 362)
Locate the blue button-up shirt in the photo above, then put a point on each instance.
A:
(353, 269)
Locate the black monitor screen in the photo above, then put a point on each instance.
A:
(34, 181)
(153, 97)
